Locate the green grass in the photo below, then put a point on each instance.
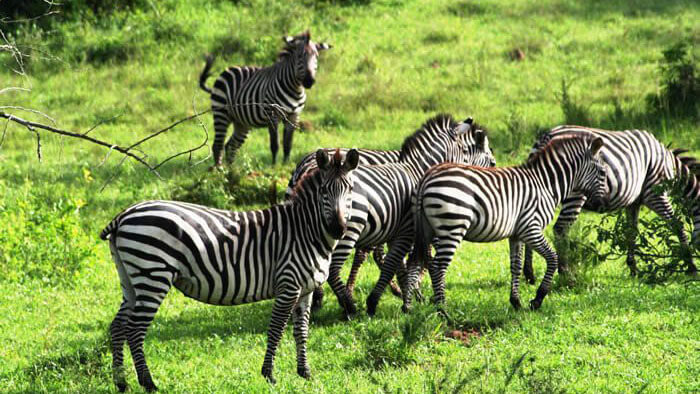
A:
(393, 65)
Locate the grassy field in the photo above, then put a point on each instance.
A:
(393, 65)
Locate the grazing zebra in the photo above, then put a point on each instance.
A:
(382, 198)
(252, 97)
(637, 164)
(456, 202)
(229, 258)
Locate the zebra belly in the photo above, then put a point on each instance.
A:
(189, 286)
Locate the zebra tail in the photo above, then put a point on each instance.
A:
(205, 73)
(424, 234)
(111, 228)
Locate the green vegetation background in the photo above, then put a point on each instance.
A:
(517, 67)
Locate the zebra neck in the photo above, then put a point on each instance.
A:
(287, 77)
(554, 177)
(308, 225)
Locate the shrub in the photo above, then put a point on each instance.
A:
(574, 113)
(659, 254)
(40, 242)
(679, 94)
(231, 186)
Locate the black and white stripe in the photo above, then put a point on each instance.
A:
(455, 202)
(367, 157)
(252, 97)
(229, 258)
(382, 197)
(637, 164)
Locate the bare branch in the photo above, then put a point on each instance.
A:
(34, 111)
(11, 88)
(198, 147)
(33, 125)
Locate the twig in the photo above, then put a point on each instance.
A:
(101, 122)
(11, 88)
(32, 125)
(34, 111)
(198, 147)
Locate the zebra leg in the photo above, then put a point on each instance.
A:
(221, 123)
(340, 254)
(145, 308)
(289, 126)
(528, 271)
(274, 140)
(360, 256)
(663, 208)
(570, 209)
(240, 133)
(284, 303)
(397, 251)
(446, 246)
(538, 242)
(317, 299)
(378, 255)
(117, 332)
(516, 247)
(300, 317)
(631, 235)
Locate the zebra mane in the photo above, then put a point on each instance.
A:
(300, 187)
(545, 137)
(554, 142)
(440, 122)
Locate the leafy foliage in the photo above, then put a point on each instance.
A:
(679, 94)
(39, 242)
(659, 254)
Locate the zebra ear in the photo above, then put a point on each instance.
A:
(462, 128)
(352, 159)
(288, 39)
(480, 138)
(596, 144)
(322, 159)
(323, 46)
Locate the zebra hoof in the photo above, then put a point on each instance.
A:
(122, 387)
(372, 302)
(535, 304)
(150, 388)
(515, 301)
(405, 308)
(267, 373)
(304, 372)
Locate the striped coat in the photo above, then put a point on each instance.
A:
(455, 202)
(229, 258)
(637, 163)
(253, 97)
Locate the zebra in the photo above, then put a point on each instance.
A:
(382, 197)
(455, 202)
(368, 157)
(229, 258)
(252, 97)
(638, 163)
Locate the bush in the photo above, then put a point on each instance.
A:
(231, 186)
(659, 254)
(679, 94)
(39, 242)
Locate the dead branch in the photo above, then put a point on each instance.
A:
(32, 126)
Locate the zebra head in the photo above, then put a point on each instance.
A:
(474, 142)
(336, 189)
(304, 55)
(591, 179)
